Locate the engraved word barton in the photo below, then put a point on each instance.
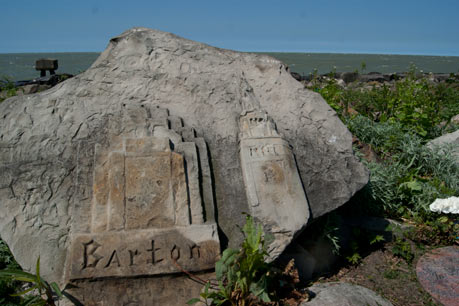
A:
(142, 253)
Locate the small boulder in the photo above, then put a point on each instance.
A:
(343, 294)
(438, 273)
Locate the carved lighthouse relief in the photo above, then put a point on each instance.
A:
(273, 185)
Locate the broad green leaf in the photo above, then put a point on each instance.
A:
(24, 279)
(35, 300)
(412, 185)
(227, 254)
(12, 273)
(38, 270)
(193, 301)
(443, 219)
(25, 291)
(56, 289)
(206, 287)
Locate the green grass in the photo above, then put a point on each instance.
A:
(8, 286)
(397, 120)
(418, 104)
(7, 88)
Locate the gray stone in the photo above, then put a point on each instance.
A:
(450, 139)
(438, 273)
(48, 140)
(343, 294)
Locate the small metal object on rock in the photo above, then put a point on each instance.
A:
(44, 64)
(438, 273)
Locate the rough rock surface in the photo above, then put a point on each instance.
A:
(448, 139)
(47, 139)
(438, 273)
(344, 294)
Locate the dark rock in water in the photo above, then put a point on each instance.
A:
(374, 77)
(51, 80)
(350, 77)
(438, 273)
(397, 76)
(307, 77)
(343, 294)
(441, 77)
(32, 88)
(199, 109)
(296, 76)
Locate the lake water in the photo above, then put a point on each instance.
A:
(21, 66)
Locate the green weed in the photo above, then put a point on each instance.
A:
(402, 248)
(7, 88)
(391, 274)
(39, 292)
(419, 105)
(243, 275)
(8, 286)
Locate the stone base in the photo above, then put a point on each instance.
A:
(143, 252)
(165, 290)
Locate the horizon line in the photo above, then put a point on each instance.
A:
(287, 52)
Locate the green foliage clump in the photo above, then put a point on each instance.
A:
(7, 89)
(402, 248)
(361, 239)
(396, 120)
(8, 286)
(243, 275)
(411, 175)
(39, 292)
(418, 104)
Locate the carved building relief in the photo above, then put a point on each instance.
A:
(152, 209)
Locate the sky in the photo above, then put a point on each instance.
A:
(424, 27)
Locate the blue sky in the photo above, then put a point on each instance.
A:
(342, 26)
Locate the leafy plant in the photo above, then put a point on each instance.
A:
(419, 105)
(42, 293)
(8, 286)
(363, 66)
(361, 240)
(243, 275)
(402, 248)
(7, 88)
(391, 274)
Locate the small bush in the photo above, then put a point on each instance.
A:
(8, 286)
(397, 120)
(243, 275)
(7, 88)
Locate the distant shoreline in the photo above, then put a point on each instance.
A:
(20, 66)
(256, 52)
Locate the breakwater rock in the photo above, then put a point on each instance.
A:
(373, 77)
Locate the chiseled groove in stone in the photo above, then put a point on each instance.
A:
(116, 198)
(206, 180)
(182, 209)
(82, 203)
(99, 209)
(188, 149)
(176, 123)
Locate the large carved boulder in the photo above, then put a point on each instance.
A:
(144, 145)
